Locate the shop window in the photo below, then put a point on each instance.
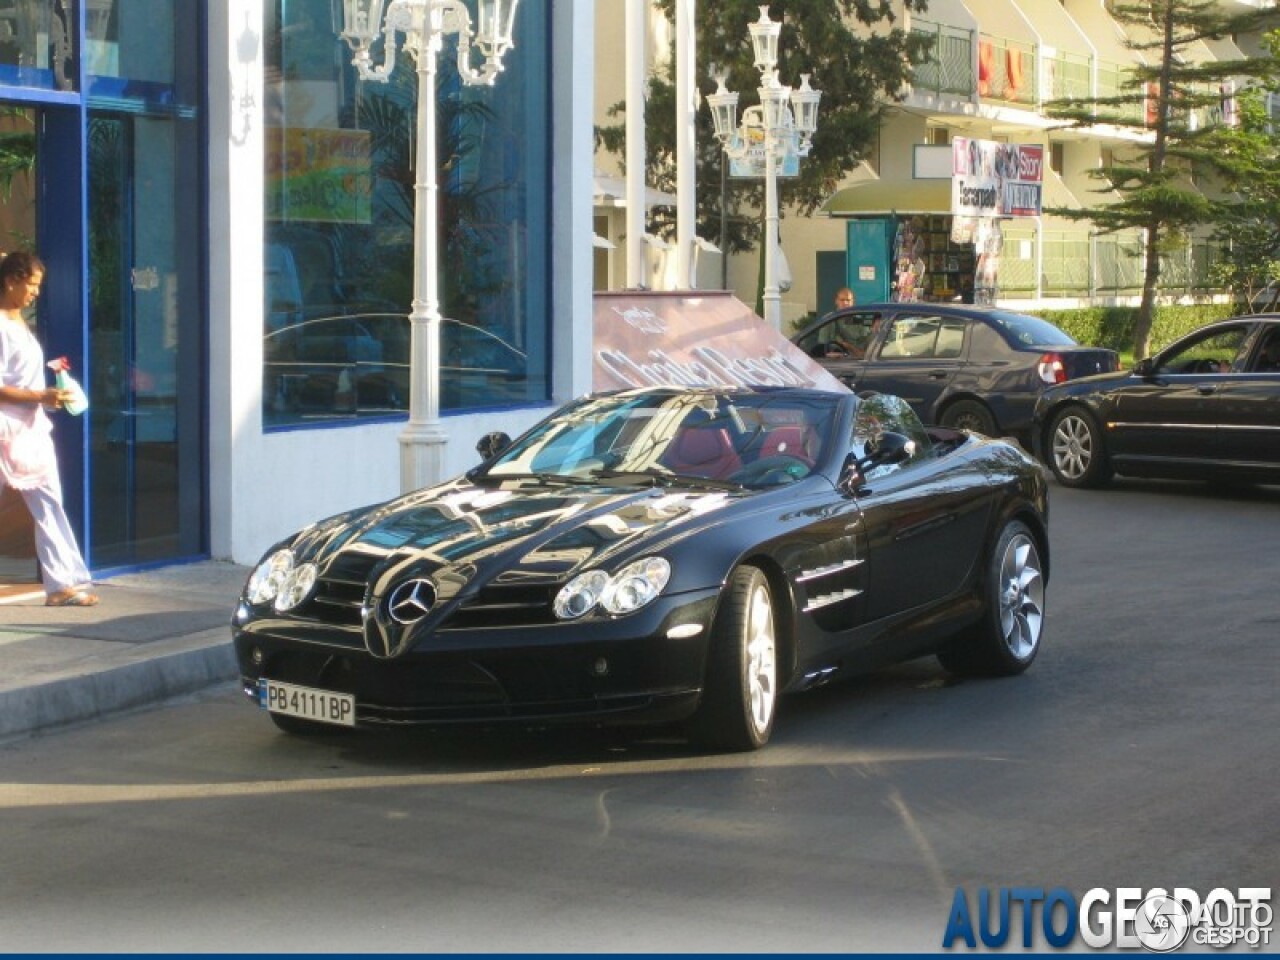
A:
(340, 171)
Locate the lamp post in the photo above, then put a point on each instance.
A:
(424, 25)
(780, 128)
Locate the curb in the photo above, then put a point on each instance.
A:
(123, 679)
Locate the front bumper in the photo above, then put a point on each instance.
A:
(647, 667)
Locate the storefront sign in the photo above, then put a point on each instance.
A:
(319, 174)
(694, 340)
(991, 179)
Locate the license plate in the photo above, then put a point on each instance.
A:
(323, 706)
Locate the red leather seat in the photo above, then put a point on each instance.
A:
(705, 451)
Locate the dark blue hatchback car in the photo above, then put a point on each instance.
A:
(972, 367)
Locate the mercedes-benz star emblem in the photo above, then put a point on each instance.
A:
(411, 601)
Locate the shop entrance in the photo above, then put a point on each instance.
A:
(105, 185)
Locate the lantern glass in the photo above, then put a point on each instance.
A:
(764, 40)
(724, 111)
(773, 100)
(361, 23)
(496, 26)
(804, 103)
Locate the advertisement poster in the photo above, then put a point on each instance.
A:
(318, 174)
(647, 339)
(990, 179)
(753, 163)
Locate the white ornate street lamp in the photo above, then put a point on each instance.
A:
(781, 127)
(424, 24)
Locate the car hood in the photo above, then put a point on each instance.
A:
(531, 534)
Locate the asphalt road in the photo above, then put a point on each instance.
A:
(1139, 751)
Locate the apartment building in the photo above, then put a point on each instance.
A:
(994, 66)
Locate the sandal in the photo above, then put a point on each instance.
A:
(72, 599)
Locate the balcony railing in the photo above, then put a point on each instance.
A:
(1007, 70)
(949, 68)
(1075, 264)
(1069, 76)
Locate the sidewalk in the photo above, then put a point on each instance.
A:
(155, 635)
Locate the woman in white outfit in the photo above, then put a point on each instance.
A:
(28, 462)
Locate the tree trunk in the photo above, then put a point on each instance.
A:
(1147, 309)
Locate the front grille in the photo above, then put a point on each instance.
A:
(505, 606)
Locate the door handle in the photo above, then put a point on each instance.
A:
(938, 374)
(1206, 389)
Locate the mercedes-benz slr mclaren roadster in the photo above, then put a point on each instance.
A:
(654, 556)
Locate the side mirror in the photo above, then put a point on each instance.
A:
(889, 448)
(1146, 367)
(492, 444)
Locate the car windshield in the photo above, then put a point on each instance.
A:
(740, 438)
(1030, 331)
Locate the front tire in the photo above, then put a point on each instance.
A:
(1007, 639)
(1077, 451)
(970, 415)
(740, 695)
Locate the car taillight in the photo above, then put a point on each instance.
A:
(1051, 368)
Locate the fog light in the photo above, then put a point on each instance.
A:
(601, 667)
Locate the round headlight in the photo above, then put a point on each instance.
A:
(577, 597)
(296, 586)
(269, 576)
(635, 585)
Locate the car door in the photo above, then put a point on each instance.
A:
(916, 356)
(1170, 411)
(923, 519)
(1249, 397)
(841, 344)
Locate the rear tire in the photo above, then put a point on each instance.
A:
(1077, 451)
(1007, 639)
(972, 416)
(740, 694)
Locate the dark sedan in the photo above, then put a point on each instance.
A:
(1207, 407)
(970, 367)
(653, 556)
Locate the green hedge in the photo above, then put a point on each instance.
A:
(1113, 326)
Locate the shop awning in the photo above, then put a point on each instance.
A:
(612, 192)
(888, 196)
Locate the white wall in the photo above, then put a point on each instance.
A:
(263, 486)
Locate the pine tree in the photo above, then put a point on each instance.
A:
(1163, 103)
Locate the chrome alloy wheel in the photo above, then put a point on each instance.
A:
(1021, 597)
(761, 660)
(1073, 447)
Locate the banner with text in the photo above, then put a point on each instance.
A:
(647, 339)
(990, 179)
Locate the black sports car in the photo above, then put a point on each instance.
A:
(657, 555)
(971, 367)
(1206, 407)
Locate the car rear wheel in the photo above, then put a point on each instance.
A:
(1007, 638)
(970, 415)
(740, 695)
(1077, 451)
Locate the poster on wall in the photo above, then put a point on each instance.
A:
(990, 179)
(319, 175)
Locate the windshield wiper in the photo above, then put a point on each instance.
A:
(663, 478)
(564, 479)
